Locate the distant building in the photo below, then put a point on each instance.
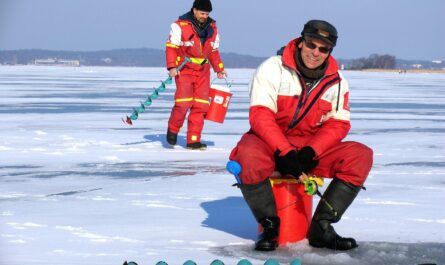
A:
(416, 66)
(69, 62)
(107, 60)
(437, 61)
(48, 61)
(54, 61)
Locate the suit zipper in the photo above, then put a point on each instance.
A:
(305, 94)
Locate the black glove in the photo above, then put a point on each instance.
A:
(306, 159)
(295, 163)
(288, 164)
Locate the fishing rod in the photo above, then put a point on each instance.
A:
(311, 184)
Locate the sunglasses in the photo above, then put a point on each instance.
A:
(321, 49)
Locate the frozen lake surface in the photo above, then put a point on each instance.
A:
(78, 186)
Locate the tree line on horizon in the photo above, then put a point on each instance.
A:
(374, 61)
(148, 57)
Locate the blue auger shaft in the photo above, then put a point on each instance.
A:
(135, 114)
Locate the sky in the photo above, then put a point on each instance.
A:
(406, 29)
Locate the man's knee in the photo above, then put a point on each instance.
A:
(366, 154)
(183, 106)
(356, 163)
(200, 107)
(257, 163)
(358, 152)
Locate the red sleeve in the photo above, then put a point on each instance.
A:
(171, 55)
(263, 123)
(172, 45)
(331, 133)
(216, 62)
(214, 56)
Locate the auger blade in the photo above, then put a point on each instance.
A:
(127, 121)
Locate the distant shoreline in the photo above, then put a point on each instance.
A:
(403, 71)
(373, 70)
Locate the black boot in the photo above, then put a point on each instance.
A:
(261, 201)
(197, 146)
(171, 137)
(267, 240)
(336, 199)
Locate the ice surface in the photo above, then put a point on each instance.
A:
(78, 186)
(368, 253)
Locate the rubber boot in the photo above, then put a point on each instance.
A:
(268, 239)
(197, 146)
(336, 199)
(171, 137)
(261, 202)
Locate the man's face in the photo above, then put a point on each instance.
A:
(314, 52)
(201, 16)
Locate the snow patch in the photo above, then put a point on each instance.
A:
(29, 224)
(112, 158)
(388, 202)
(439, 221)
(154, 204)
(57, 153)
(39, 132)
(38, 149)
(96, 238)
(17, 241)
(5, 148)
(26, 225)
(100, 198)
(67, 138)
(12, 196)
(177, 241)
(340, 258)
(205, 243)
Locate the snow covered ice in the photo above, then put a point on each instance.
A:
(78, 186)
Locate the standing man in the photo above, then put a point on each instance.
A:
(299, 115)
(195, 36)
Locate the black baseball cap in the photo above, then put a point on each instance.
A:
(322, 30)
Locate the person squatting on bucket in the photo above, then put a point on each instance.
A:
(193, 35)
(299, 115)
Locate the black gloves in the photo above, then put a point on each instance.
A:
(288, 164)
(295, 163)
(306, 158)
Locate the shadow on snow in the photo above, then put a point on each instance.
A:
(182, 140)
(230, 215)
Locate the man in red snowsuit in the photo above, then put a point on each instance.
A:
(195, 36)
(299, 115)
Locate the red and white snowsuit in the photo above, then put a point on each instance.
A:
(193, 82)
(285, 116)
